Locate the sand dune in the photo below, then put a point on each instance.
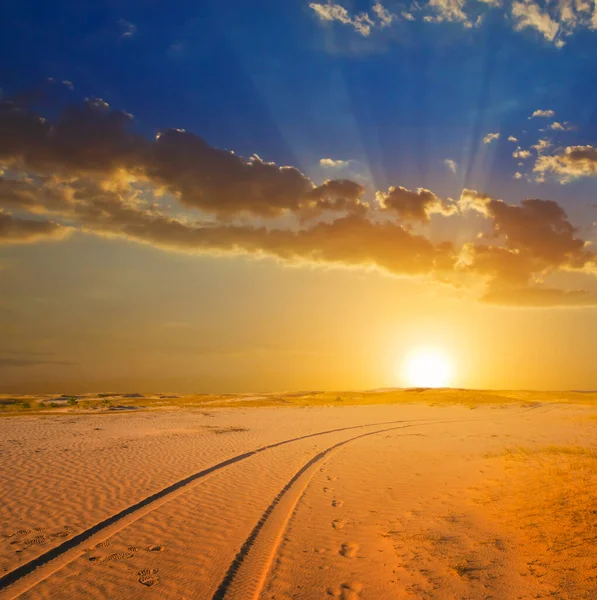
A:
(377, 501)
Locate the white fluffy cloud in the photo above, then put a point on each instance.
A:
(330, 163)
(553, 20)
(542, 113)
(530, 15)
(541, 146)
(521, 154)
(383, 14)
(362, 22)
(449, 10)
(571, 163)
(565, 126)
(490, 137)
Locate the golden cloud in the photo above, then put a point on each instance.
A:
(93, 174)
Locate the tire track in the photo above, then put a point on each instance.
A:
(247, 574)
(28, 575)
(39, 568)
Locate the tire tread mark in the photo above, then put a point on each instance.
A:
(27, 568)
(222, 591)
(241, 556)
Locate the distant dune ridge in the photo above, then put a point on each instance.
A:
(383, 494)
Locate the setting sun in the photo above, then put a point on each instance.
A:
(426, 367)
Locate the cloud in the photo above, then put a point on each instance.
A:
(528, 14)
(221, 182)
(521, 154)
(511, 138)
(383, 14)
(541, 145)
(451, 164)
(542, 113)
(536, 238)
(93, 139)
(572, 162)
(88, 137)
(27, 231)
(414, 206)
(490, 137)
(86, 171)
(361, 23)
(334, 164)
(352, 240)
(517, 175)
(448, 10)
(556, 126)
(538, 297)
(554, 21)
(337, 194)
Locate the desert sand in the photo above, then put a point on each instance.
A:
(454, 496)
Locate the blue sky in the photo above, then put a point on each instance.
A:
(273, 78)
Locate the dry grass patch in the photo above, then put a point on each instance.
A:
(546, 501)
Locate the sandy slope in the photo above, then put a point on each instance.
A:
(393, 501)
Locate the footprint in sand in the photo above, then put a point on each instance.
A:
(337, 503)
(102, 544)
(148, 577)
(134, 548)
(349, 550)
(35, 541)
(155, 548)
(20, 532)
(111, 557)
(332, 478)
(347, 591)
(338, 524)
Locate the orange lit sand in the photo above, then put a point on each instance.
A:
(390, 501)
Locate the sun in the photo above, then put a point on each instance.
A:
(426, 367)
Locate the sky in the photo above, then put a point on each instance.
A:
(258, 196)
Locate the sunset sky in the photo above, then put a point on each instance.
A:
(253, 196)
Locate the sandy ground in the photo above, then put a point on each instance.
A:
(351, 502)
